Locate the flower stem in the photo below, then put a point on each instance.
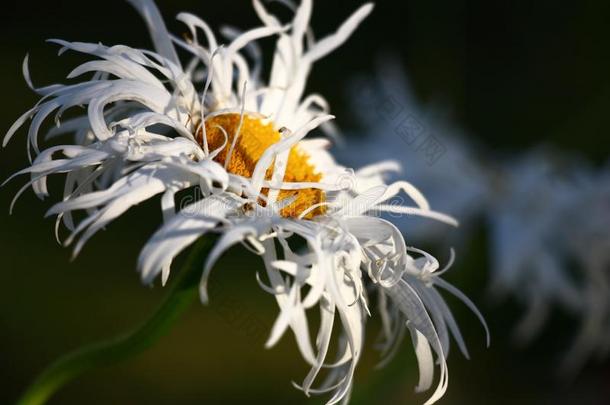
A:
(182, 294)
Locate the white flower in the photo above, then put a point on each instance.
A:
(526, 257)
(548, 225)
(157, 126)
(548, 230)
(585, 238)
(430, 150)
(551, 216)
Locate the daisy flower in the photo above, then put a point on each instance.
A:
(586, 241)
(208, 124)
(547, 225)
(429, 149)
(550, 247)
(548, 229)
(523, 224)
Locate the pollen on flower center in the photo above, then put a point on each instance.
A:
(254, 138)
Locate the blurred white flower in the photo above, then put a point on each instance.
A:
(585, 230)
(549, 228)
(526, 250)
(156, 126)
(430, 150)
(548, 225)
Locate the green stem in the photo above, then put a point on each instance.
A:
(182, 294)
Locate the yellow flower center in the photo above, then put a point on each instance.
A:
(254, 138)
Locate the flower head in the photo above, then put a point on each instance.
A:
(550, 216)
(429, 150)
(547, 212)
(156, 125)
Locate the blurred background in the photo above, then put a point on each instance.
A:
(512, 74)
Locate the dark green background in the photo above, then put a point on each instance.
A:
(514, 74)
